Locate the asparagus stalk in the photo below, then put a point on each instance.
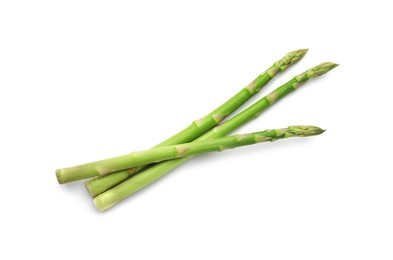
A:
(98, 185)
(198, 127)
(169, 152)
(136, 182)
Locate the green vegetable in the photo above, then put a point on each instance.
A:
(110, 197)
(197, 128)
(164, 153)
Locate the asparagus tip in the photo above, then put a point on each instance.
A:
(321, 69)
(304, 51)
(297, 53)
(308, 130)
(290, 58)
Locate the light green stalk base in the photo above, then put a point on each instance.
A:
(133, 184)
(197, 128)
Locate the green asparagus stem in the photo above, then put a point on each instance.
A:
(197, 128)
(136, 182)
(164, 153)
(98, 185)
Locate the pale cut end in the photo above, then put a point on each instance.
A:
(100, 204)
(59, 176)
(290, 58)
(305, 130)
(88, 187)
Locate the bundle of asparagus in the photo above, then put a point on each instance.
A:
(117, 178)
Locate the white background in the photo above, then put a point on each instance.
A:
(86, 80)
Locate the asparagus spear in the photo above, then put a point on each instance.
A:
(169, 152)
(111, 197)
(98, 185)
(198, 127)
